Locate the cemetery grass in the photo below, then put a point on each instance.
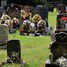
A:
(34, 50)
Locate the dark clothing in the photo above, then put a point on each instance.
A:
(47, 24)
(42, 11)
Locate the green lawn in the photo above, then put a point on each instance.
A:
(34, 50)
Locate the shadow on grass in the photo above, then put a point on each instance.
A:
(26, 65)
(14, 65)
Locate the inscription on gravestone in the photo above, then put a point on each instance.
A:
(3, 33)
(13, 51)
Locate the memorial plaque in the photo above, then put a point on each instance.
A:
(13, 51)
(3, 33)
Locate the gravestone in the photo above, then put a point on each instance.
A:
(61, 37)
(3, 33)
(3, 3)
(1, 11)
(52, 65)
(13, 51)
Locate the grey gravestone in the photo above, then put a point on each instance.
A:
(3, 3)
(1, 11)
(3, 33)
(13, 51)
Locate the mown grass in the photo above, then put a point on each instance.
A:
(34, 50)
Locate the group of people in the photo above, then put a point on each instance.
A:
(29, 24)
(12, 23)
(33, 24)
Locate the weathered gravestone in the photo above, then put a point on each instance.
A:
(3, 34)
(1, 11)
(13, 51)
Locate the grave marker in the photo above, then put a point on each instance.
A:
(13, 51)
(3, 33)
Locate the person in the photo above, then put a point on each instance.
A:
(9, 23)
(15, 23)
(41, 27)
(32, 28)
(63, 21)
(28, 12)
(42, 10)
(12, 11)
(4, 18)
(23, 15)
(36, 18)
(24, 30)
(62, 9)
(10, 26)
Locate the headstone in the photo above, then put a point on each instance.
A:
(61, 37)
(3, 3)
(13, 51)
(3, 33)
(52, 65)
(1, 11)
